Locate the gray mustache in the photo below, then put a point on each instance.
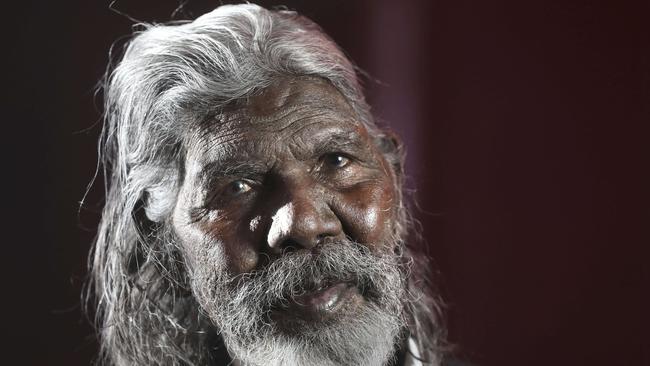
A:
(298, 273)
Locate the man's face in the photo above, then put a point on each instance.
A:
(287, 216)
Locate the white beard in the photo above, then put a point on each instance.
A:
(364, 342)
(367, 337)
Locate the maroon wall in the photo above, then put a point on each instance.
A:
(526, 126)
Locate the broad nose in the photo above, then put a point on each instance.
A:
(302, 222)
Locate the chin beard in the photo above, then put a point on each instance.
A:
(240, 306)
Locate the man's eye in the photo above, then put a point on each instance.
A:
(336, 160)
(238, 187)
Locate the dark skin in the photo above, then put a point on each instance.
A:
(290, 167)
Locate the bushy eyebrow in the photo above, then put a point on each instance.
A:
(218, 170)
(339, 142)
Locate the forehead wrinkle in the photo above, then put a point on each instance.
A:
(237, 126)
(298, 90)
(240, 145)
(241, 134)
(286, 119)
(235, 147)
(307, 122)
(294, 106)
(247, 138)
(213, 148)
(220, 137)
(277, 112)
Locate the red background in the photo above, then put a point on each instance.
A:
(527, 129)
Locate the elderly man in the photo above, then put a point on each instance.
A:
(254, 213)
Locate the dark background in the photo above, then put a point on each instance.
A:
(527, 130)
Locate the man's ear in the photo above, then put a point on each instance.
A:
(147, 260)
(392, 148)
(158, 200)
(145, 224)
(154, 206)
(145, 229)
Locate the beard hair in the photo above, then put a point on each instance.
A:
(240, 306)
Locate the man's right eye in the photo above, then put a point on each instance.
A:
(237, 188)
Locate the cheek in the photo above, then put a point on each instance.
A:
(237, 239)
(197, 246)
(243, 256)
(367, 212)
(223, 237)
(229, 248)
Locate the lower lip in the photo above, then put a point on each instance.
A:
(322, 304)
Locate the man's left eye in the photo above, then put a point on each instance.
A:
(336, 160)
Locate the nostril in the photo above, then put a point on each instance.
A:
(320, 238)
(289, 245)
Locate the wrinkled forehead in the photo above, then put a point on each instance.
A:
(288, 94)
(290, 110)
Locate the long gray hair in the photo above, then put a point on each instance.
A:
(170, 77)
